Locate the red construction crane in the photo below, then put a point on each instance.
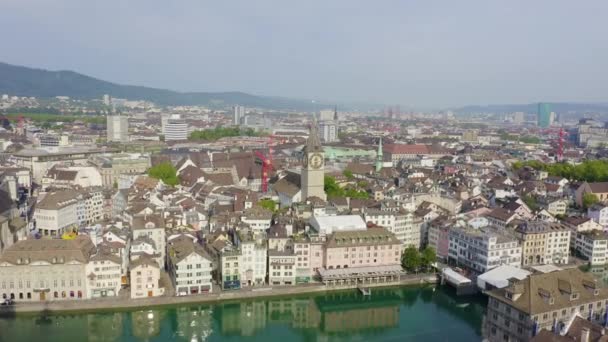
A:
(561, 135)
(266, 169)
(267, 163)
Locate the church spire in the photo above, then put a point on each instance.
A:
(379, 156)
(336, 113)
(313, 144)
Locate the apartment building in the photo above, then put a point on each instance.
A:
(259, 219)
(145, 278)
(104, 275)
(254, 259)
(404, 224)
(281, 256)
(593, 245)
(230, 268)
(483, 249)
(543, 301)
(190, 266)
(281, 267)
(152, 227)
(599, 214)
(46, 270)
(57, 213)
(302, 249)
(544, 242)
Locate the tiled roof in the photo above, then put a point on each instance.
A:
(552, 291)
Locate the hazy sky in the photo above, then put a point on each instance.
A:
(415, 53)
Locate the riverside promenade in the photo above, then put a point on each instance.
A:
(122, 303)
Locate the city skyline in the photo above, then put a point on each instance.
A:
(431, 55)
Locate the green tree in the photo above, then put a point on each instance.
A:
(268, 204)
(411, 259)
(348, 174)
(530, 202)
(332, 189)
(165, 172)
(428, 257)
(589, 199)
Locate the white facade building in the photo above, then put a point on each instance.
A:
(176, 129)
(403, 224)
(593, 245)
(599, 214)
(483, 249)
(328, 131)
(325, 225)
(57, 212)
(46, 270)
(238, 115)
(152, 227)
(190, 267)
(254, 254)
(104, 275)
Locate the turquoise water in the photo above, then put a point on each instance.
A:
(402, 314)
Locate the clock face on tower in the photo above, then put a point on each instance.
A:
(315, 161)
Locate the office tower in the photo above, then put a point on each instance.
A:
(519, 118)
(238, 115)
(107, 100)
(176, 129)
(117, 128)
(543, 116)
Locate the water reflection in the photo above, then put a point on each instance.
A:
(193, 323)
(390, 314)
(146, 324)
(105, 327)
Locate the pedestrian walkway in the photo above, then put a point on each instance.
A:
(116, 303)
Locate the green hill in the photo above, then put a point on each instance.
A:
(24, 81)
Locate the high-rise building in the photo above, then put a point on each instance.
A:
(107, 100)
(328, 131)
(238, 115)
(313, 171)
(328, 128)
(176, 129)
(519, 118)
(543, 116)
(117, 128)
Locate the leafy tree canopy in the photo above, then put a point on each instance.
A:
(165, 172)
(221, 132)
(590, 170)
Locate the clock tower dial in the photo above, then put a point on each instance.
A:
(315, 161)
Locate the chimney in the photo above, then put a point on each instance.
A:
(585, 335)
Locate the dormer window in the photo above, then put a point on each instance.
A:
(54, 260)
(574, 296)
(19, 261)
(551, 301)
(596, 292)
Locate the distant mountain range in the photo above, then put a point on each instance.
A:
(24, 81)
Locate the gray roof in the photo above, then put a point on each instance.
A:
(51, 251)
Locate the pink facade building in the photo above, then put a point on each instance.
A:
(362, 248)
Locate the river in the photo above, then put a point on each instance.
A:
(397, 314)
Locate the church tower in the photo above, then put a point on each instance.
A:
(379, 157)
(313, 170)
